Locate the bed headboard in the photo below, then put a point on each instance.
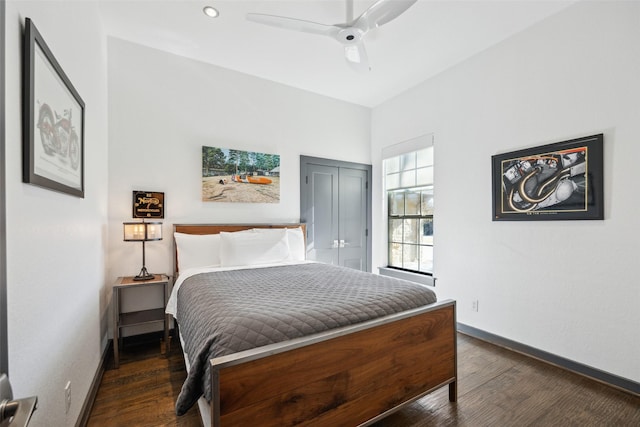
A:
(218, 228)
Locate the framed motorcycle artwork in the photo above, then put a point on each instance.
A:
(559, 181)
(53, 120)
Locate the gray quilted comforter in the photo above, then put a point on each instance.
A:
(225, 312)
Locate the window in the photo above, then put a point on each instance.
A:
(409, 187)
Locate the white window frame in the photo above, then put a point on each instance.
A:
(412, 145)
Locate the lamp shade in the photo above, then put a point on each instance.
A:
(142, 231)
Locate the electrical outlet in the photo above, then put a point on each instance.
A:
(67, 397)
(474, 305)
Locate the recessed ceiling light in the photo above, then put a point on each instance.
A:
(211, 11)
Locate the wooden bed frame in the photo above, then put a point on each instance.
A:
(354, 375)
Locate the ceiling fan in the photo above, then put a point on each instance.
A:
(350, 33)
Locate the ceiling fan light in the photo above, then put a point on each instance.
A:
(352, 53)
(211, 11)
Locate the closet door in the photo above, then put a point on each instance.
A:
(335, 203)
(352, 218)
(322, 202)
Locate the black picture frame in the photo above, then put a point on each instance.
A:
(148, 204)
(53, 120)
(559, 181)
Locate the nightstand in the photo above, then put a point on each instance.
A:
(133, 318)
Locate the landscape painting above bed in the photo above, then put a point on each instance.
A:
(238, 176)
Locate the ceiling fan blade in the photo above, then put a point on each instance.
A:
(294, 24)
(356, 56)
(382, 12)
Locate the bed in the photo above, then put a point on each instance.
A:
(352, 373)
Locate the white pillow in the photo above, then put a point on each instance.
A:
(253, 248)
(297, 250)
(195, 250)
(295, 237)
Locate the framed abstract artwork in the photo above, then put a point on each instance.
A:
(559, 181)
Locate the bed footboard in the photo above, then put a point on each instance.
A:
(349, 376)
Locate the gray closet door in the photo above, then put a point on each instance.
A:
(335, 203)
(352, 219)
(322, 225)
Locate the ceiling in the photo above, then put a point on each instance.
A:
(431, 36)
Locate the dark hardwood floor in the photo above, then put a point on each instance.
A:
(496, 387)
(143, 391)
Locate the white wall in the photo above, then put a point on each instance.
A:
(163, 108)
(56, 243)
(566, 287)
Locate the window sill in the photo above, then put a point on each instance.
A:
(422, 279)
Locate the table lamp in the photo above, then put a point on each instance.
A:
(142, 232)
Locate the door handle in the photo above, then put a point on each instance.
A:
(20, 409)
(339, 244)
